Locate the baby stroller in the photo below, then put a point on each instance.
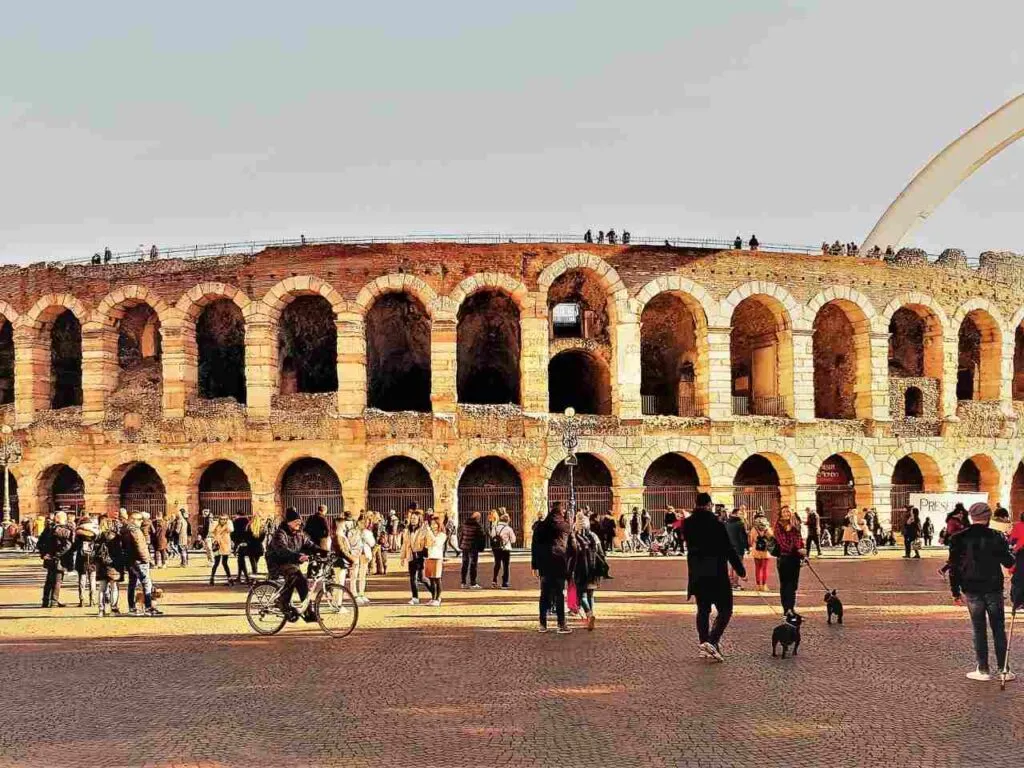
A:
(662, 542)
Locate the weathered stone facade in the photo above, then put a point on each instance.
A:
(761, 325)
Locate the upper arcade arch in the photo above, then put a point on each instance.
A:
(396, 283)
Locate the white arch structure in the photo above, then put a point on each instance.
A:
(946, 171)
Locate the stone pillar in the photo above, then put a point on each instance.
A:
(442, 364)
(533, 364)
(351, 364)
(879, 362)
(99, 370)
(31, 374)
(1006, 377)
(535, 500)
(804, 496)
(803, 376)
(624, 498)
(950, 364)
(626, 395)
(882, 502)
(260, 366)
(719, 406)
(173, 366)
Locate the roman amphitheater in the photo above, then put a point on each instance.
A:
(372, 375)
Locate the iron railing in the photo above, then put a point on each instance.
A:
(764, 497)
(306, 502)
(74, 502)
(761, 405)
(384, 500)
(658, 498)
(483, 499)
(153, 503)
(834, 502)
(597, 497)
(685, 404)
(230, 503)
(899, 500)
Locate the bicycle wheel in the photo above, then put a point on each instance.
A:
(261, 609)
(336, 610)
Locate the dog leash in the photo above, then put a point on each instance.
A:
(820, 580)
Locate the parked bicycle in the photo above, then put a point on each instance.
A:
(332, 603)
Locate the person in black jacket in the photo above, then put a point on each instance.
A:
(709, 551)
(55, 548)
(738, 537)
(550, 555)
(471, 543)
(975, 557)
(318, 528)
(288, 548)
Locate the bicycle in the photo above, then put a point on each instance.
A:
(332, 603)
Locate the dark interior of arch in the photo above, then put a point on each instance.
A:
(579, 380)
(668, 349)
(907, 472)
(671, 470)
(141, 479)
(398, 354)
(1017, 492)
(66, 360)
(223, 476)
(138, 337)
(307, 346)
(1018, 363)
(842, 466)
(756, 470)
(753, 327)
(66, 481)
(590, 471)
(906, 343)
(835, 360)
(579, 286)
(310, 475)
(913, 402)
(6, 362)
(220, 342)
(968, 359)
(399, 472)
(490, 471)
(488, 343)
(969, 477)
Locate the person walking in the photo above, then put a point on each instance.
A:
(976, 558)
(203, 532)
(588, 567)
(412, 553)
(318, 528)
(646, 529)
(85, 565)
(240, 541)
(158, 538)
(709, 552)
(179, 534)
(608, 531)
(55, 548)
(760, 542)
(220, 535)
(109, 561)
(135, 546)
(850, 532)
(502, 540)
(361, 543)
(791, 552)
(471, 543)
(739, 538)
(550, 556)
(436, 540)
(911, 533)
(450, 536)
(928, 531)
(813, 529)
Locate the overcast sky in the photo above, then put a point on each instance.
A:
(129, 123)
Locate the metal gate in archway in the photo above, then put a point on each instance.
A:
(597, 497)
(154, 504)
(230, 503)
(758, 497)
(833, 503)
(483, 499)
(899, 499)
(306, 502)
(657, 499)
(386, 500)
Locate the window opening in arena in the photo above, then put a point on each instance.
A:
(835, 495)
(489, 344)
(670, 327)
(671, 480)
(224, 489)
(220, 340)
(978, 359)
(142, 490)
(65, 361)
(579, 379)
(489, 483)
(397, 482)
(578, 307)
(591, 479)
(62, 488)
(907, 478)
(761, 352)
(6, 362)
(915, 355)
(841, 352)
(308, 483)
(307, 344)
(138, 349)
(398, 354)
(756, 484)
(913, 403)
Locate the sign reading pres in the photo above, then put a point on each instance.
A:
(941, 504)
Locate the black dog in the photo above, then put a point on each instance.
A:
(787, 633)
(834, 606)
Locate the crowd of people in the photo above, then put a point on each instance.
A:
(611, 237)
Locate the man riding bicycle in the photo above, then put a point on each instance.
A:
(288, 548)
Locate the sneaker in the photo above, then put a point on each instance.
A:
(701, 652)
(154, 612)
(414, 601)
(590, 622)
(475, 586)
(505, 586)
(434, 603)
(713, 651)
(979, 674)
(542, 630)
(464, 586)
(564, 631)
(1008, 676)
(134, 612)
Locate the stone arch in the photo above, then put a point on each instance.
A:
(397, 337)
(199, 464)
(579, 379)
(980, 337)
(923, 453)
(305, 481)
(612, 459)
(50, 377)
(675, 367)
(396, 283)
(692, 450)
(491, 481)
(477, 451)
(679, 284)
(137, 486)
(615, 288)
(988, 476)
(945, 172)
(223, 486)
(770, 494)
(419, 455)
(489, 348)
(396, 481)
(913, 298)
(287, 290)
(833, 499)
(495, 281)
(932, 477)
(50, 306)
(114, 305)
(761, 374)
(198, 296)
(841, 351)
(287, 375)
(793, 311)
(60, 484)
(593, 481)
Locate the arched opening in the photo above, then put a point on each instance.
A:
(757, 486)
(307, 347)
(915, 352)
(65, 379)
(913, 403)
(61, 487)
(579, 379)
(761, 353)
(489, 483)
(978, 360)
(841, 348)
(398, 354)
(489, 345)
(309, 482)
(671, 480)
(1017, 492)
(835, 495)
(591, 479)
(224, 489)
(395, 483)
(915, 473)
(578, 307)
(6, 362)
(1018, 363)
(979, 474)
(673, 356)
(141, 490)
(220, 342)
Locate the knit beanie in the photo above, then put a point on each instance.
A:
(980, 512)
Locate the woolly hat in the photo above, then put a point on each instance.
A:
(291, 514)
(980, 512)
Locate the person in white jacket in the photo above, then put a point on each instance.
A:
(361, 542)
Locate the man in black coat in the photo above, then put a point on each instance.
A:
(318, 528)
(737, 530)
(550, 555)
(54, 547)
(471, 543)
(709, 552)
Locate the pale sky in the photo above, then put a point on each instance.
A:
(129, 123)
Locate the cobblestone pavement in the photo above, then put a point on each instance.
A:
(473, 684)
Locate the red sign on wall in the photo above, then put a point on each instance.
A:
(834, 471)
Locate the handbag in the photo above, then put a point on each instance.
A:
(572, 598)
(432, 568)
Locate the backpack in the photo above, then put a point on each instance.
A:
(86, 548)
(761, 544)
(622, 521)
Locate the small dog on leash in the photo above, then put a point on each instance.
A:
(834, 606)
(787, 633)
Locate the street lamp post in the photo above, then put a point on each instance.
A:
(10, 454)
(570, 441)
